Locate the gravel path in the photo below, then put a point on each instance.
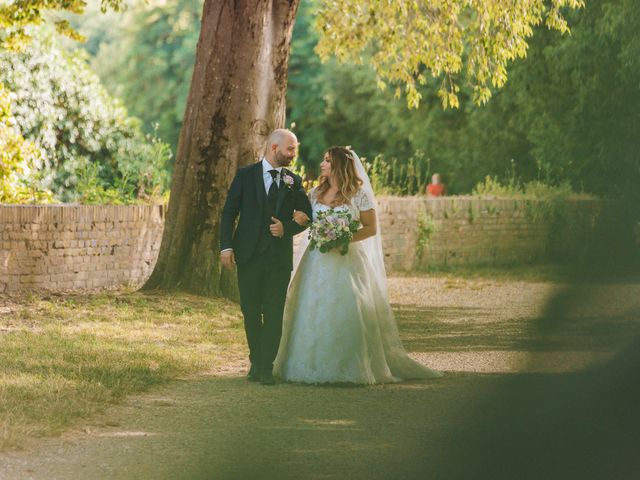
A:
(484, 334)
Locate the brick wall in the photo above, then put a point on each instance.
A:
(67, 246)
(61, 247)
(420, 232)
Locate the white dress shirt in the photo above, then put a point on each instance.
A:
(266, 176)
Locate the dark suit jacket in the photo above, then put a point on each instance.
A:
(248, 199)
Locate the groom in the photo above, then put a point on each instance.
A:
(265, 196)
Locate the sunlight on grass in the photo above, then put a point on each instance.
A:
(66, 357)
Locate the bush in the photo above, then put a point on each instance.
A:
(395, 177)
(17, 160)
(60, 107)
(491, 186)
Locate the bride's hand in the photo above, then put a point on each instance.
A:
(300, 218)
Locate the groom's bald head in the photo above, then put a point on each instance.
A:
(282, 147)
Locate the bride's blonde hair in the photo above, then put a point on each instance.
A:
(343, 172)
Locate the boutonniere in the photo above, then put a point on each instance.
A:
(287, 180)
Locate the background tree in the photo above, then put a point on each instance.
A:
(306, 103)
(149, 60)
(451, 40)
(564, 115)
(236, 98)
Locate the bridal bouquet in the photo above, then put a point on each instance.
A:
(332, 229)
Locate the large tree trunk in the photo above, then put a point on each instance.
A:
(237, 98)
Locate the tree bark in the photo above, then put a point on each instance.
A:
(237, 97)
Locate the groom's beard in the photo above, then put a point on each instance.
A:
(283, 160)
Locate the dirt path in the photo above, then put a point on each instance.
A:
(485, 335)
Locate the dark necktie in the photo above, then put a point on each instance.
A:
(272, 195)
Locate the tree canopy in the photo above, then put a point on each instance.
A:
(16, 18)
(565, 115)
(406, 42)
(446, 39)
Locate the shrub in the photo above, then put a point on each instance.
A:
(60, 107)
(17, 160)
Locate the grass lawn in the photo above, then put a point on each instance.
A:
(65, 357)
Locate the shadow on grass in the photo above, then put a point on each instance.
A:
(425, 329)
(582, 425)
(574, 426)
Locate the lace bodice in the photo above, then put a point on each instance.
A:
(361, 202)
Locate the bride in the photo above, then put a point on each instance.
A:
(338, 325)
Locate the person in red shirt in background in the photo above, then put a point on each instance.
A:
(436, 188)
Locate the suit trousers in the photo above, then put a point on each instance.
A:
(263, 284)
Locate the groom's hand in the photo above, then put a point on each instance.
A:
(300, 218)
(276, 228)
(228, 258)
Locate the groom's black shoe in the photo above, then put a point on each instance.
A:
(253, 375)
(266, 378)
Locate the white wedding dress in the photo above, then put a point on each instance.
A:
(338, 325)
